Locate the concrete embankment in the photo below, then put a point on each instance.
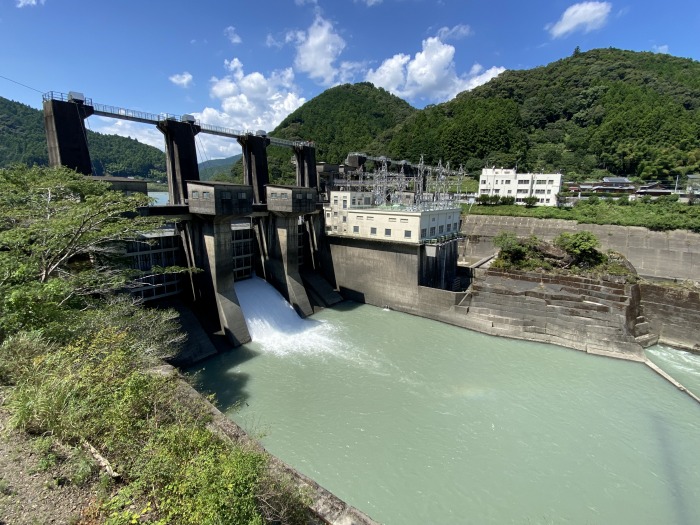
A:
(666, 255)
(673, 314)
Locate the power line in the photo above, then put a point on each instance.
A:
(23, 85)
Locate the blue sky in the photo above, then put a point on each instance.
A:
(246, 64)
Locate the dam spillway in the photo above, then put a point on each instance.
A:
(415, 422)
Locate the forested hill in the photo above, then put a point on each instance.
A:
(340, 120)
(23, 140)
(605, 111)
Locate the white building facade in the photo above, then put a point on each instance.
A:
(351, 214)
(508, 183)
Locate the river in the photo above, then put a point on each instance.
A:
(417, 422)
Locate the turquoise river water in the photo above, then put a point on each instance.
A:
(417, 422)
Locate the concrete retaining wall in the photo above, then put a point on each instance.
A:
(673, 254)
(673, 314)
(595, 316)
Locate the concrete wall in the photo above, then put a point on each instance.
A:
(375, 272)
(594, 316)
(674, 254)
(673, 314)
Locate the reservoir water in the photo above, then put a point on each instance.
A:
(417, 422)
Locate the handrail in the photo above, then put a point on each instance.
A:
(152, 118)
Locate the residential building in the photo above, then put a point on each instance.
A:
(508, 183)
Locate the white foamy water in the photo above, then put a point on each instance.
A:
(683, 366)
(275, 326)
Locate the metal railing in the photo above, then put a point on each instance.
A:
(105, 110)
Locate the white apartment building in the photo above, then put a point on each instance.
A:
(508, 183)
(352, 214)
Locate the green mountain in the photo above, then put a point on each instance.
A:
(23, 140)
(601, 112)
(217, 168)
(340, 120)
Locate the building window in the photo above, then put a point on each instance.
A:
(310, 196)
(456, 226)
(355, 229)
(497, 190)
(205, 195)
(441, 229)
(404, 220)
(370, 218)
(510, 191)
(345, 204)
(335, 201)
(423, 232)
(507, 181)
(367, 201)
(549, 192)
(360, 217)
(523, 191)
(345, 219)
(539, 192)
(541, 181)
(225, 194)
(387, 232)
(550, 182)
(524, 181)
(432, 231)
(407, 234)
(392, 219)
(195, 195)
(353, 201)
(335, 214)
(449, 227)
(328, 215)
(242, 195)
(373, 231)
(483, 181)
(299, 196)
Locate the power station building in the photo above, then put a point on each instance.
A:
(351, 214)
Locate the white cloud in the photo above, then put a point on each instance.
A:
(31, 3)
(455, 33)
(144, 133)
(585, 16)
(660, 49)
(317, 50)
(183, 80)
(369, 3)
(230, 33)
(430, 75)
(248, 102)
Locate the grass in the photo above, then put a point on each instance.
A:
(653, 215)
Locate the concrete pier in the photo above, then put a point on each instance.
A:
(66, 136)
(180, 156)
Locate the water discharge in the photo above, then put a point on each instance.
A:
(417, 422)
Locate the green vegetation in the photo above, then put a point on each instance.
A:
(597, 113)
(75, 359)
(575, 253)
(23, 140)
(664, 213)
(340, 120)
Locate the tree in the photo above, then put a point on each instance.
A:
(581, 246)
(59, 241)
(530, 201)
